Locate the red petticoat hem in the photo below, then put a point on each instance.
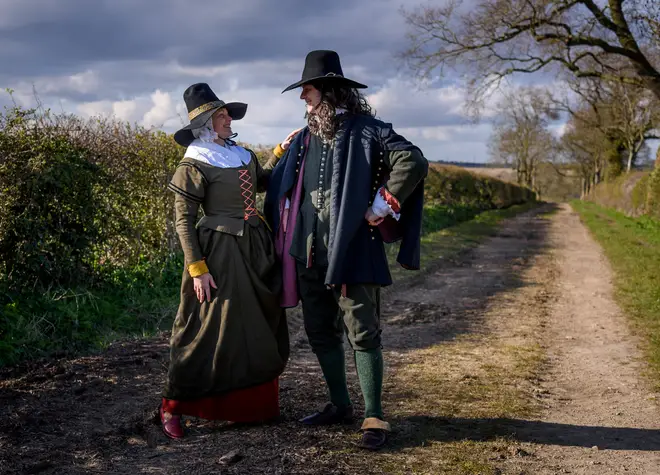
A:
(254, 404)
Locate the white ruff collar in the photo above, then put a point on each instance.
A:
(231, 156)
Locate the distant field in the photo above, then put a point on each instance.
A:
(501, 173)
(550, 185)
(504, 174)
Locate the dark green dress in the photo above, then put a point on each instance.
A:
(239, 339)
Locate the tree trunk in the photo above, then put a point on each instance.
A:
(598, 169)
(585, 188)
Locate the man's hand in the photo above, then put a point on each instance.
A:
(202, 286)
(289, 138)
(373, 218)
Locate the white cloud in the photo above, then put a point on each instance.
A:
(162, 111)
(416, 106)
(272, 115)
(431, 115)
(125, 110)
(85, 82)
(96, 108)
(467, 142)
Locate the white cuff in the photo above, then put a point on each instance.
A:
(287, 204)
(381, 208)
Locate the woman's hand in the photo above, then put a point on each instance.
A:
(202, 286)
(289, 138)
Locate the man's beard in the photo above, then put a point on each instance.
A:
(322, 121)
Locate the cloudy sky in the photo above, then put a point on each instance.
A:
(134, 58)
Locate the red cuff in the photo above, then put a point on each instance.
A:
(390, 200)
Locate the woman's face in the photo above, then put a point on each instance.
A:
(311, 96)
(222, 123)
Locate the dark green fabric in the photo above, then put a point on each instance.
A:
(240, 338)
(369, 365)
(407, 170)
(312, 232)
(328, 314)
(334, 370)
(220, 193)
(321, 317)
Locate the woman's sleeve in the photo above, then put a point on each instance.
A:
(188, 184)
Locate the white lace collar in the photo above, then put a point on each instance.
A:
(230, 156)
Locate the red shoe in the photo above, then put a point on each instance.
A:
(171, 427)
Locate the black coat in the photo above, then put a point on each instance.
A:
(356, 254)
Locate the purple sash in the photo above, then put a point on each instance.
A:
(283, 239)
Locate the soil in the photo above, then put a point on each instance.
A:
(541, 278)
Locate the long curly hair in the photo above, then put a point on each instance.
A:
(323, 120)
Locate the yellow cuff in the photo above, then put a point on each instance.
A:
(197, 268)
(279, 151)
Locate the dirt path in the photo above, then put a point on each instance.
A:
(601, 417)
(511, 359)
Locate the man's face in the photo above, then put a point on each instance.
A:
(222, 123)
(311, 96)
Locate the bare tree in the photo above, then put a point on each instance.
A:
(492, 39)
(626, 117)
(633, 118)
(587, 147)
(645, 14)
(520, 135)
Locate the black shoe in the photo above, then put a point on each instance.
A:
(373, 439)
(330, 414)
(374, 433)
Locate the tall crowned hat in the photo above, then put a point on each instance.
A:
(202, 103)
(324, 65)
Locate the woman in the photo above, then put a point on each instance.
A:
(230, 339)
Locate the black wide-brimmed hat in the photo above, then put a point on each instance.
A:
(324, 65)
(202, 103)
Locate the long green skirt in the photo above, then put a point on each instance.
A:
(240, 338)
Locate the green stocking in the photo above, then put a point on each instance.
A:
(334, 370)
(369, 366)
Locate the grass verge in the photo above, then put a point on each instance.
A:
(632, 246)
(126, 302)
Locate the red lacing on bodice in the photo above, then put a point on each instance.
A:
(246, 187)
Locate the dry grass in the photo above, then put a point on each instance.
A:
(452, 404)
(450, 398)
(473, 380)
(504, 174)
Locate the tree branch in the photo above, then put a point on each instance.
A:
(600, 15)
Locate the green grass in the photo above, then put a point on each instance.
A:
(126, 302)
(632, 246)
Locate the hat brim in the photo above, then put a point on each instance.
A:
(184, 136)
(331, 79)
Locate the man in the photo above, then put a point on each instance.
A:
(345, 184)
